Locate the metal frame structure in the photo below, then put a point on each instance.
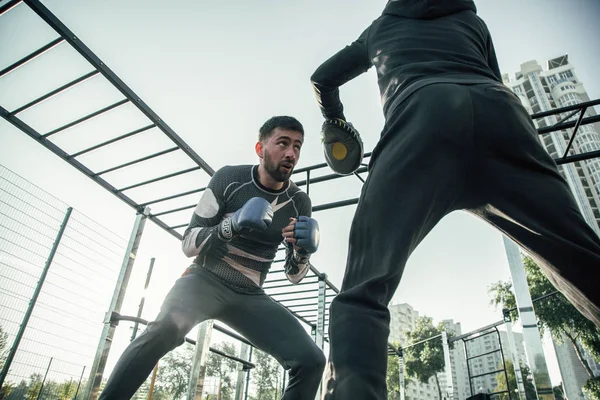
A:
(308, 301)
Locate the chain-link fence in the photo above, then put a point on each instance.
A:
(58, 269)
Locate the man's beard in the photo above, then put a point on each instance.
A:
(275, 171)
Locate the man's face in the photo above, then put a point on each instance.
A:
(280, 153)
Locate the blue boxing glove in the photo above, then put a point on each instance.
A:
(256, 214)
(306, 233)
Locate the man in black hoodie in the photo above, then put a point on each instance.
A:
(455, 138)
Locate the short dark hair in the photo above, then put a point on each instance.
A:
(280, 121)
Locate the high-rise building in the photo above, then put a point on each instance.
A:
(403, 320)
(486, 356)
(558, 86)
(460, 379)
(573, 373)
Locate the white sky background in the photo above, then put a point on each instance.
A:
(215, 71)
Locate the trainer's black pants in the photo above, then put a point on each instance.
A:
(451, 147)
(200, 296)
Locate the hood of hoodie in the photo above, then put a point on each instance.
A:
(427, 9)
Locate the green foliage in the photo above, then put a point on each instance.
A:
(555, 313)
(530, 392)
(592, 388)
(425, 360)
(222, 368)
(266, 377)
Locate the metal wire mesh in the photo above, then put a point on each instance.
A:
(58, 343)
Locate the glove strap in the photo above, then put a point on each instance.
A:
(225, 231)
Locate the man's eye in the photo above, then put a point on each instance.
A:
(282, 144)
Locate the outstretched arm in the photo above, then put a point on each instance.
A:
(344, 66)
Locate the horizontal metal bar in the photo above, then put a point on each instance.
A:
(487, 373)
(125, 136)
(247, 365)
(565, 109)
(322, 165)
(303, 304)
(172, 197)
(31, 56)
(87, 117)
(176, 209)
(578, 157)
(160, 178)
(480, 336)
(295, 292)
(55, 92)
(335, 204)
(80, 47)
(139, 160)
(575, 128)
(310, 311)
(569, 124)
(323, 276)
(298, 299)
(287, 280)
(421, 342)
(303, 283)
(178, 226)
(484, 354)
(9, 6)
(116, 317)
(542, 297)
(329, 177)
(232, 334)
(483, 329)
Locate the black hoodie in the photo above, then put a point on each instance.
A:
(412, 44)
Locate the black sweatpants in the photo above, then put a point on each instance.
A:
(451, 147)
(200, 296)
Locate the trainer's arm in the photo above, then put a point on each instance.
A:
(297, 262)
(344, 66)
(202, 234)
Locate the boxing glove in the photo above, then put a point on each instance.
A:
(306, 233)
(256, 214)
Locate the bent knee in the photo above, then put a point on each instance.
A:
(313, 359)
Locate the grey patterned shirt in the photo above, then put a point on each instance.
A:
(243, 263)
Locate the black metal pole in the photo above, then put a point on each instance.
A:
(44, 381)
(504, 363)
(468, 369)
(79, 384)
(248, 376)
(141, 307)
(33, 301)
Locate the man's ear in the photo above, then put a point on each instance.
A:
(259, 149)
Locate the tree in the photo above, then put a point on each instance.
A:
(3, 347)
(173, 375)
(66, 390)
(6, 390)
(424, 361)
(530, 392)
(34, 386)
(222, 367)
(393, 376)
(592, 388)
(559, 394)
(19, 392)
(555, 313)
(266, 376)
